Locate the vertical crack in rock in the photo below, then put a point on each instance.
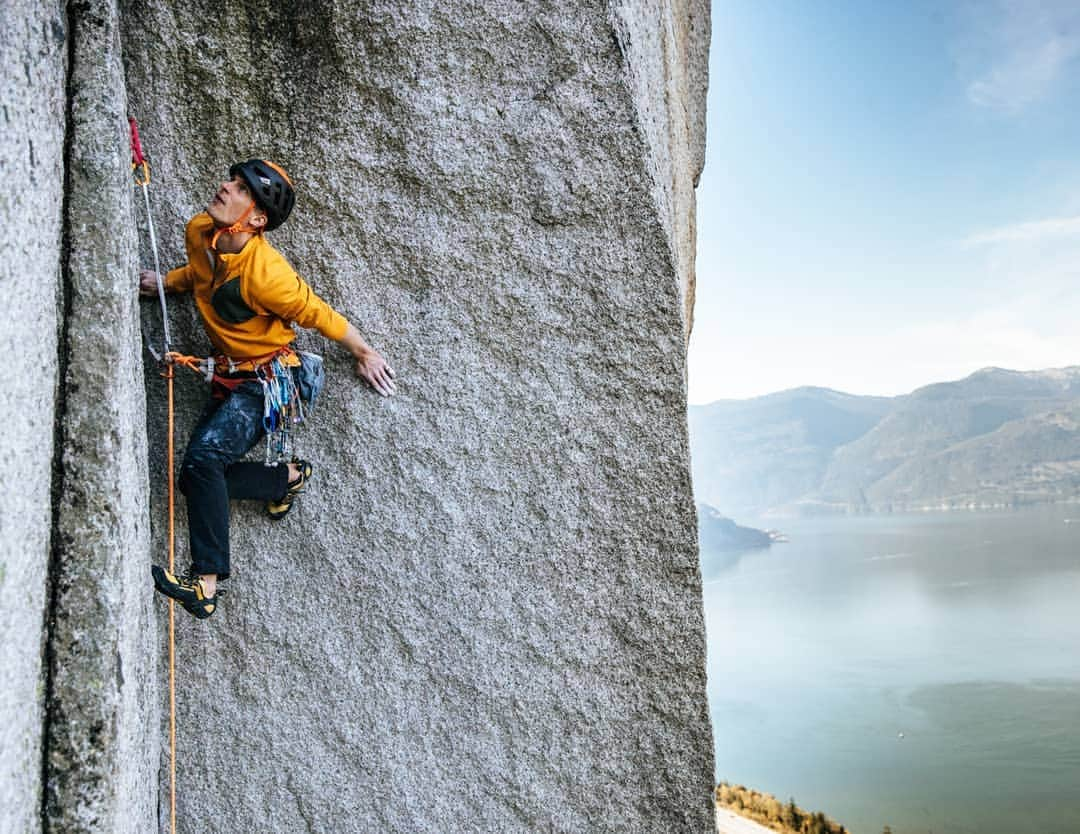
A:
(98, 764)
(57, 488)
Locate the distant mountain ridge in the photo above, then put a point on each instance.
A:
(996, 437)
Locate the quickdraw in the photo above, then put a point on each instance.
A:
(140, 169)
(282, 409)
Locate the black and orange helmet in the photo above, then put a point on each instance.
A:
(270, 187)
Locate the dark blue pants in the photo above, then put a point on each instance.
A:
(212, 473)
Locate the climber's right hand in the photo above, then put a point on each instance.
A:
(147, 282)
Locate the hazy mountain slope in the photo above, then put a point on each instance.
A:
(997, 436)
(1032, 459)
(749, 454)
(883, 466)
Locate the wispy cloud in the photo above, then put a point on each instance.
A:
(1032, 231)
(1023, 336)
(1018, 50)
(1012, 305)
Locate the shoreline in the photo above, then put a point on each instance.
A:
(728, 822)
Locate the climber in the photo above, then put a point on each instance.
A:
(247, 295)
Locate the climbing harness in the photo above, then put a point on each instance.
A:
(289, 391)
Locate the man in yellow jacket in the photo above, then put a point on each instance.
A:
(248, 296)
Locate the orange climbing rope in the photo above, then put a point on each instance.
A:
(168, 374)
(141, 171)
(196, 363)
(171, 361)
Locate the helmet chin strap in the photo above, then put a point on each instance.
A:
(239, 226)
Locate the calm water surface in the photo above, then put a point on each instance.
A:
(920, 671)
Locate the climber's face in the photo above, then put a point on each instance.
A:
(231, 201)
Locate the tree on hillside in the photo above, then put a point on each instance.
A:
(791, 818)
(765, 808)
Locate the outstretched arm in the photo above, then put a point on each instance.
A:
(285, 294)
(370, 366)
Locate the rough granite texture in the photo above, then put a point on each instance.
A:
(103, 704)
(32, 56)
(485, 614)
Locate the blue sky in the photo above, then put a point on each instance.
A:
(891, 194)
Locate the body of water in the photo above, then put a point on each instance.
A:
(916, 671)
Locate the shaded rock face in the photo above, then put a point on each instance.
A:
(666, 43)
(485, 613)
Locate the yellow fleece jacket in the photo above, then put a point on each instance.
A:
(248, 299)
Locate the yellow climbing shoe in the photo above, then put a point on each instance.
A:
(187, 590)
(277, 510)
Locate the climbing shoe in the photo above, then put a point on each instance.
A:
(277, 510)
(187, 590)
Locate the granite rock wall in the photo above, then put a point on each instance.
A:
(485, 613)
(102, 748)
(79, 703)
(32, 75)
